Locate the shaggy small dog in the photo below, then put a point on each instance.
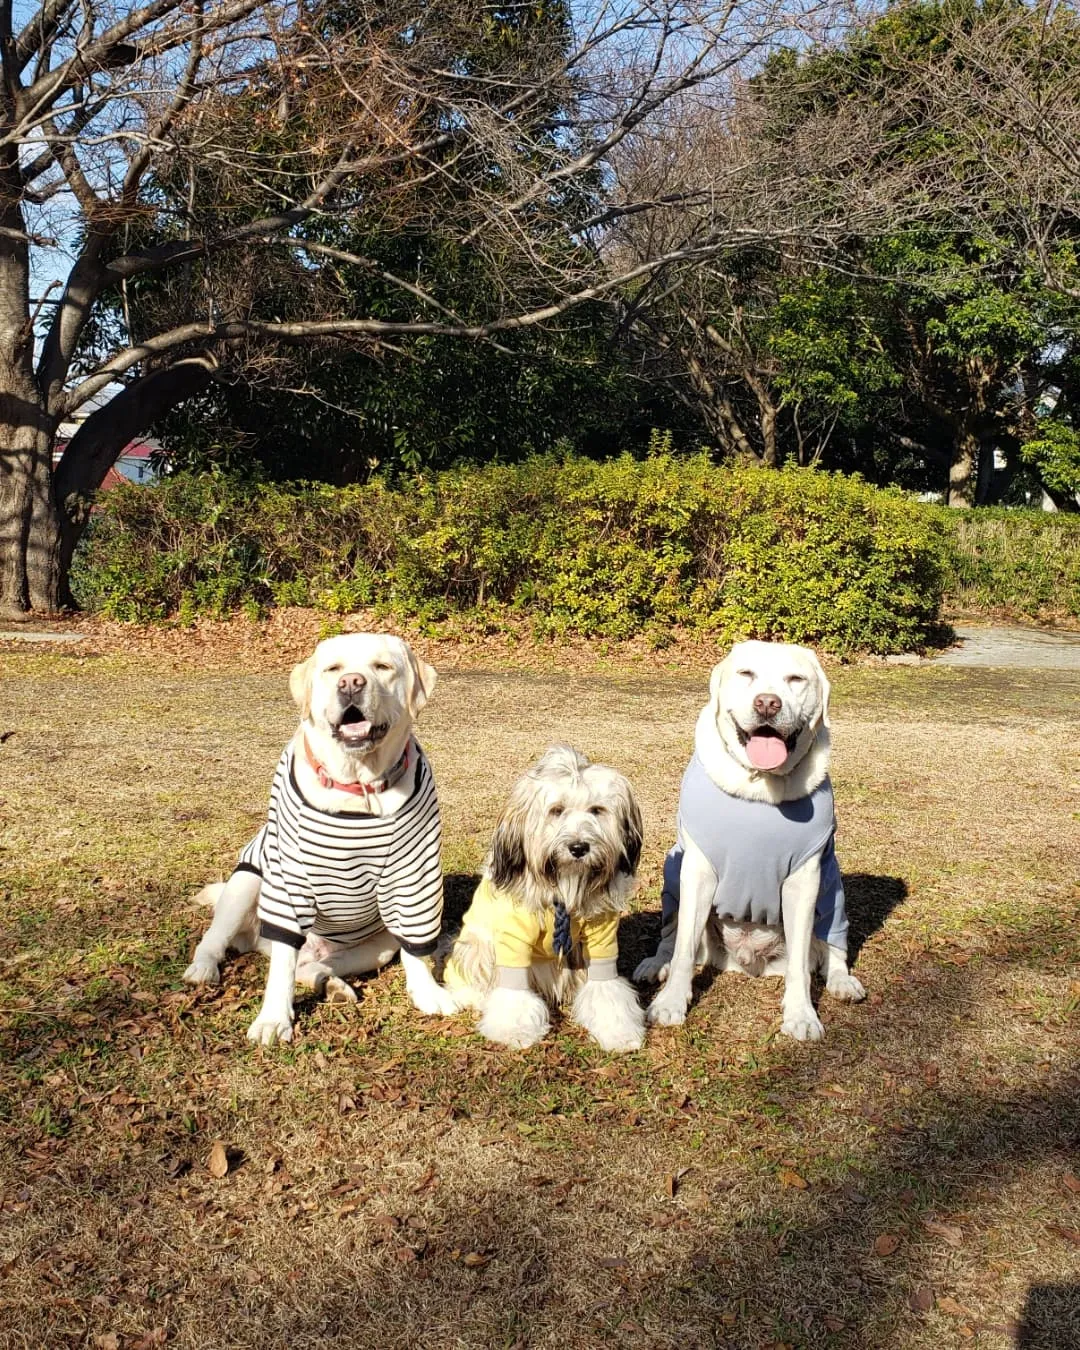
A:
(542, 928)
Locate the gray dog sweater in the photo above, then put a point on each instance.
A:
(347, 876)
(753, 848)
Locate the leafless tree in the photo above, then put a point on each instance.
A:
(103, 102)
(783, 204)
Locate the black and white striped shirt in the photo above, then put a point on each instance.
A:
(346, 877)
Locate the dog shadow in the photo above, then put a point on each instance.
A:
(458, 891)
(1050, 1319)
(871, 899)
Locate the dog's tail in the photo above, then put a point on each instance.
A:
(209, 895)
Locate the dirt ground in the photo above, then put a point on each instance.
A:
(393, 1181)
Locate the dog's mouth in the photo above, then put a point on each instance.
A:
(355, 732)
(765, 747)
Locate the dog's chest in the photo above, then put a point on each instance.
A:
(753, 847)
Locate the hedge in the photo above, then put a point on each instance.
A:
(1020, 564)
(612, 549)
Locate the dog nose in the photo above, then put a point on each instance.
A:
(766, 705)
(578, 849)
(350, 685)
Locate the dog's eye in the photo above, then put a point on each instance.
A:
(381, 666)
(556, 811)
(746, 674)
(597, 810)
(334, 670)
(795, 679)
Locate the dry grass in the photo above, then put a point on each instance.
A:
(396, 1182)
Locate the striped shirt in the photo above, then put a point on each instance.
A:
(347, 877)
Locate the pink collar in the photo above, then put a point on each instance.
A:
(371, 789)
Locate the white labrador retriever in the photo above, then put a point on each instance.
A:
(753, 884)
(347, 869)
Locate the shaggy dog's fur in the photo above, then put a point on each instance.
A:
(569, 839)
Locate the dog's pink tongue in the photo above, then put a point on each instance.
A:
(766, 752)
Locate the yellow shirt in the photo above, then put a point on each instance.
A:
(522, 937)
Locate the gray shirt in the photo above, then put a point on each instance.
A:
(753, 847)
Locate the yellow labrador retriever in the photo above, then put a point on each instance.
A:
(347, 869)
(753, 883)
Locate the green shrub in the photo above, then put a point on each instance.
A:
(1024, 564)
(608, 549)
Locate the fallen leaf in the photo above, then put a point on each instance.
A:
(885, 1244)
(149, 1340)
(672, 1179)
(922, 1299)
(1071, 1182)
(109, 1341)
(950, 1306)
(834, 1323)
(427, 1180)
(1069, 1234)
(953, 1236)
(474, 1260)
(218, 1163)
(792, 1179)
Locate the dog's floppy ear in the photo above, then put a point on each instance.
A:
(631, 830)
(421, 680)
(716, 679)
(300, 685)
(826, 689)
(507, 863)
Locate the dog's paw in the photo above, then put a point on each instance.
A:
(653, 970)
(621, 1041)
(668, 1008)
(514, 1017)
(203, 970)
(847, 988)
(268, 1030)
(803, 1026)
(337, 991)
(434, 1001)
(609, 1010)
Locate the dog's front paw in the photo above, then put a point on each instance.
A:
(609, 1010)
(268, 1030)
(516, 1018)
(337, 991)
(203, 970)
(434, 1001)
(621, 1041)
(653, 970)
(847, 988)
(803, 1025)
(668, 1008)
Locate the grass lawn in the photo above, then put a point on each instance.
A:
(912, 1181)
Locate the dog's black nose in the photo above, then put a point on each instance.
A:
(766, 705)
(351, 684)
(578, 849)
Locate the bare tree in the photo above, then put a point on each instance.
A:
(102, 103)
(783, 202)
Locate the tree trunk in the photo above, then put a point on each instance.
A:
(97, 445)
(964, 469)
